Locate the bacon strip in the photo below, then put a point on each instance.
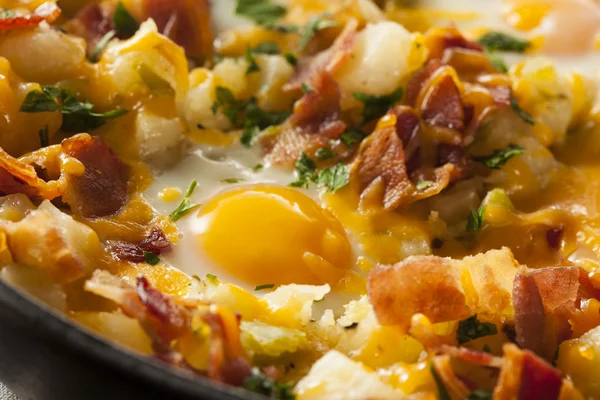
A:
(48, 12)
(314, 122)
(102, 189)
(166, 319)
(329, 60)
(380, 165)
(156, 243)
(17, 176)
(525, 376)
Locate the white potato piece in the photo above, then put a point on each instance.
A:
(336, 377)
(160, 140)
(36, 284)
(43, 54)
(378, 63)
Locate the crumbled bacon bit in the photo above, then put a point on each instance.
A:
(553, 237)
(529, 314)
(92, 22)
(48, 12)
(102, 190)
(315, 121)
(329, 60)
(156, 243)
(442, 105)
(526, 376)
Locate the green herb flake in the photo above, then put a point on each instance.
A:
(306, 88)
(376, 106)
(471, 328)
(78, 116)
(324, 153)
(442, 391)
(334, 178)
(500, 41)
(6, 13)
(475, 221)
(232, 180)
(498, 62)
(265, 286)
(186, 205)
(267, 48)
(261, 384)
(291, 59)
(480, 394)
(156, 83)
(252, 64)
(525, 116)
(352, 136)
(44, 137)
(263, 12)
(212, 278)
(314, 25)
(305, 167)
(226, 101)
(151, 258)
(258, 167)
(500, 157)
(124, 22)
(422, 184)
(101, 45)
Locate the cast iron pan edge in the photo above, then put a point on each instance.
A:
(44, 356)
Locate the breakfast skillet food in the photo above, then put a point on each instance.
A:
(311, 199)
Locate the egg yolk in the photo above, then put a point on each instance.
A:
(268, 234)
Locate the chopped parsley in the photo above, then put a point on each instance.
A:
(314, 25)
(422, 184)
(254, 118)
(500, 41)
(443, 392)
(6, 13)
(44, 137)
(480, 394)
(500, 157)
(291, 59)
(306, 88)
(263, 12)
(498, 62)
(265, 286)
(352, 136)
(151, 258)
(212, 278)
(124, 23)
(334, 178)
(261, 384)
(186, 205)
(258, 167)
(376, 106)
(324, 153)
(252, 64)
(475, 220)
(471, 328)
(101, 45)
(231, 180)
(525, 116)
(266, 48)
(78, 116)
(305, 167)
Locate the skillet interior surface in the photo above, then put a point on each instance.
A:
(43, 356)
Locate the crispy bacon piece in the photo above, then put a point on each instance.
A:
(102, 189)
(166, 319)
(380, 165)
(48, 12)
(186, 22)
(17, 176)
(438, 40)
(525, 376)
(472, 356)
(424, 285)
(156, 243)
(452, 382)
(418, 81)
(315, 120)
(544, 300)
(442, 105)
(329, 60)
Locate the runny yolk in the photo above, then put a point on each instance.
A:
(268, 234)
